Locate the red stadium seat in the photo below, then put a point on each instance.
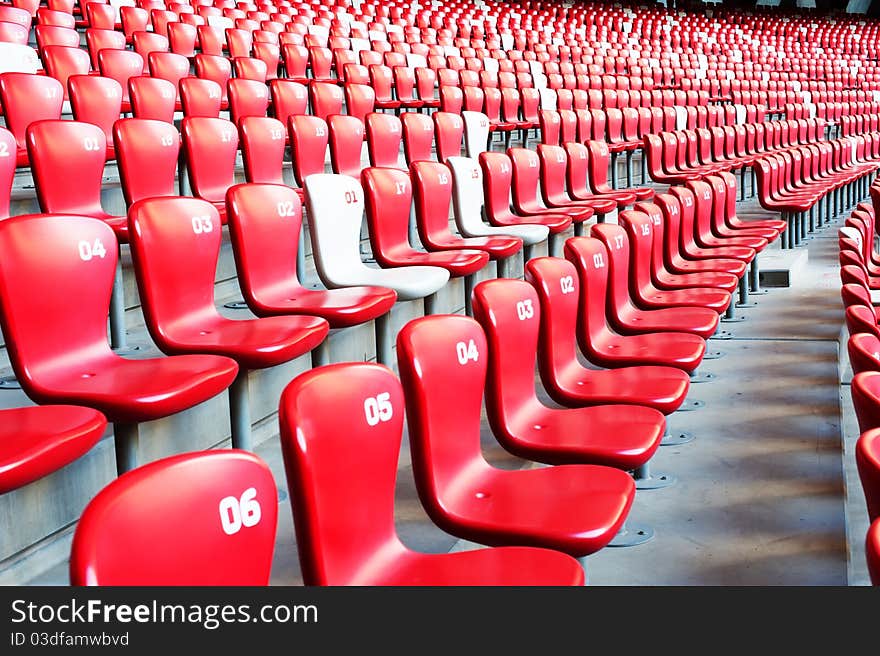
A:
(199, 97)
(36, 441)
(388, 196)
(576, 509)
(384, 134)
(569, 382)
(97, 100)
(510, 313)
(153, 98)
(497, 183)
(329, 509)
(211, 147)
(28, 98)
(262, 149)
(346, 140)
(265, 220)
(175, 246)
(74, 267)
(147, 154)
(432, 196)
(598, 342)
(159, 524)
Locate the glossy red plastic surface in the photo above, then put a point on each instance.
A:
(36, 441)
(147, 153)
(639, 229)
(868, 464)
(525, 190)
(387, 197)
(264, 227)
(432, 195)
(205, 518)
(67, 164)
(573, 508)
(665, 278)
(599, 342)
(384, 134)
(7, 170)
(211, 147)
(497, 182)
(74, 268)
(680, 254)
(175, 247)
(588, 431)
(341, 466)
(628, 317)
(27, 98)
(568, 381)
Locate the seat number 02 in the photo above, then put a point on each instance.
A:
(378, 408)
(566, 284)
(244, 511)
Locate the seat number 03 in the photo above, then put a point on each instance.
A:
(525, 310)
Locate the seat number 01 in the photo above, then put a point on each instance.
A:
(467, 352)
(378, 408)
(242, 512)
(524, 309)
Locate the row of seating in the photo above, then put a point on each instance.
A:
(858, 266)
(667, 271)
(516, 324)
(389, 240)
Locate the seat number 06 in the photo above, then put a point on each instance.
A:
(242, 512)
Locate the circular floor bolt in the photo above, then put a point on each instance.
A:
(703, 377)
(655, 481)
(687, 406)
(713, 355)
(677, 438)
(748, 304)
(631, 535)
(732, 319)
(236, 305)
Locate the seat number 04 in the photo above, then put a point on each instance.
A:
(88, 250)
(467, 351)
(244, 511)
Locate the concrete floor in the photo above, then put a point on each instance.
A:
(766, 494)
